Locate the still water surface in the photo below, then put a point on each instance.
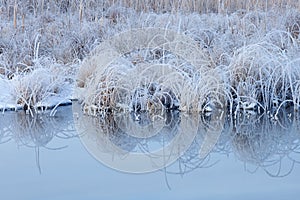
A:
(252, 158)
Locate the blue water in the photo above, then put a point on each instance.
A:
(62, 168)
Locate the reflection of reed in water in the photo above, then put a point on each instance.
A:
(206, 142)
(120, 141)
(5, 133)
(258, 140)
(107, 127)
(263, 142)
(126, 133)
(120, 135)
(37, 130)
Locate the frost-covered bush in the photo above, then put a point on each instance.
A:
(149, 69)
(293, 23)
(266, 73)
(45, 85)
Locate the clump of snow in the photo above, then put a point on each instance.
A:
(6, 97)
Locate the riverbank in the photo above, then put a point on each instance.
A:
(254, 49)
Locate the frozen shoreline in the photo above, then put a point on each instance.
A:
(8, 103)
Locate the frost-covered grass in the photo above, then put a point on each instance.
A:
(251, 49)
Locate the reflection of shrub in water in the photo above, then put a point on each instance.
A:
(121, 130)
(168, 134)
(5, 129)
(38, 130)
(266, 143)
(121, 139)
(259, 141)
(106, 133)
(205, 144)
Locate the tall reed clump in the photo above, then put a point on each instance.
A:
(260, 74)
(155, 69)
(293, 24)
(188, 6)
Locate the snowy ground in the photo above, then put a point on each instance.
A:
(6, 98)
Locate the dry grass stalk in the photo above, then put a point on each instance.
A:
(23, 23)
(80, 12)
(15, 14)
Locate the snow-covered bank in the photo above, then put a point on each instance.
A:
(6, 98)
(254, 50)
(45, 85)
